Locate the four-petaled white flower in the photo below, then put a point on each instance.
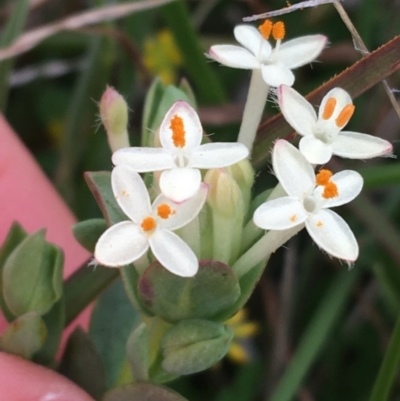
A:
(257, 53)
(149, 226)
(181, 155)
(321, 135)
(308, 200)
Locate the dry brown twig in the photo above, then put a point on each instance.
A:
(32, 38)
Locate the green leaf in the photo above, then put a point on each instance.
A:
(32, 276)
(24, 336)
(143, 392)
(138, 352)
(212, 290)
(55, 322)
(84, 286)
(15, 236)
(389, 368)
(207, 85)
(88, 232)
(316, 335)
(191, 346)
(185, 87)
(82, 364)
(151, 105)
(112, 321)
(356, 80)
(99, 183)
(15, 25)
(130, 278)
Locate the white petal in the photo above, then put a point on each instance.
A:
(331, 233)
(342, 100)
(300, 51)
(280, 214)
(217, 155)
(349, 185)
(292, 169)
(179, 184)
(250, 37)
(144, 160)
(184, 212)
(130, 192)
(191, 126)
(234, 56)
(121, 244)
(315, 151)
(355, 145)
(277, 74)
(173, 253)
(297, 111)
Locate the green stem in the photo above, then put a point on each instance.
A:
(389, 368)
(256, 98)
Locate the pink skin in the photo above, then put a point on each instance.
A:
(24, 381)
(28, 197)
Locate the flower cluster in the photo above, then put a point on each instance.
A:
(221, 233)
(182, 193)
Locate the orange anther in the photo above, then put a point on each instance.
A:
(323, 177)
(278, 30)
(345, 115)
(148, 224)
(330, 190)
(265, 29)
(329, 108)
(320, 223)
(178, 131)
(164, 211)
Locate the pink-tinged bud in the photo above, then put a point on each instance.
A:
(114, 116)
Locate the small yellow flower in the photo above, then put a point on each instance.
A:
(162, 57)
(242, 329)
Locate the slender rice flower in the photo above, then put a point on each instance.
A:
(257, 53)
(181, 155)
(149, 226)
(322, 135)
(309, 198)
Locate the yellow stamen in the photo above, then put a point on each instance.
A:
(278, 30)
(237, 353)
(178, 131)
(323, 177)
(330, 190)
(164, 211)
(329, 108)
(148, 224)
(293, 218)
(320, 223)
(345, 115)
(265, 29)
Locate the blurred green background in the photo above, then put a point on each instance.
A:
(323, 331)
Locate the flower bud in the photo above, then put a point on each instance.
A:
(243, 174)
(227, 209)
(114, 116)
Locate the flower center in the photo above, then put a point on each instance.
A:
(164, 211)
(345, 115)
(148, 224)
(309, 204)
(178, 131)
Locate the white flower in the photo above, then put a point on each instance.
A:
(308, 200)
(149, 226)
(181, 154)
(275, 64)
(321, 135)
